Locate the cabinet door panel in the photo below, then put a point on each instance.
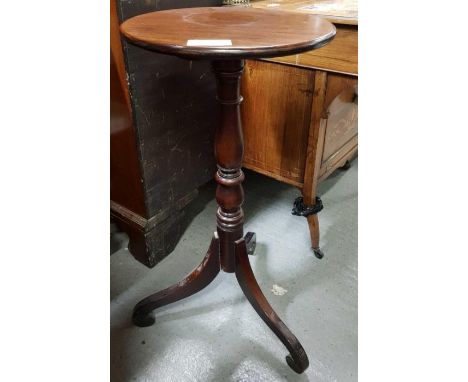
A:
(341, 108)
(276, 117)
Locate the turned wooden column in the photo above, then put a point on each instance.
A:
(229, 151)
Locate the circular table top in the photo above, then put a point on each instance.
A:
(228, 32)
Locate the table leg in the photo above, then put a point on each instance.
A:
(195, 281)
(314, 229)
(229, 249)
(229, 151)
(297, 359)
(229, 147)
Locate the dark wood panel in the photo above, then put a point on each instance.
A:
(172, 101)
(162, 128)
(125, 177)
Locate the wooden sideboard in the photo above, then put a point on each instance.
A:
(301, 111)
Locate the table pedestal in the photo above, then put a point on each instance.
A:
(229, 248)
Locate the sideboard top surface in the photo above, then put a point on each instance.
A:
(336, 11)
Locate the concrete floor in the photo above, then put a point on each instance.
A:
(216, 335)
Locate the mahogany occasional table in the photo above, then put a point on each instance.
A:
(226, 36)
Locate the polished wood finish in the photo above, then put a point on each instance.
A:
(341, 112)
(229, 151)
(335, 11)
(310, 120)
(301, 126)
(317, 131)
(297, 358)
(125, 185)
(253, 32)
(272, 146)
(194, 282)
(341, 55)
(166, 32)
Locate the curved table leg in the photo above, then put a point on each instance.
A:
(297, 359)
(198, 279)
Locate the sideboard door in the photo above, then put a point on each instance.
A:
(341, 113)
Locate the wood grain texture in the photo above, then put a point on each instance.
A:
(299, 126)
(332, 112)
(317, 131)
(253, 32)
(171, 99)
(276, 114)
(335, 11)
(229, 150)
(316, 134)
(194, 282)
(339, 158)
(341, 111)
(297, 358)
(341, 55)
(168, 143)
(162, 33)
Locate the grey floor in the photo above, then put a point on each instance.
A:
(216, 335)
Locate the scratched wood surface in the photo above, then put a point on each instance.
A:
(167, 140)
(171, 99)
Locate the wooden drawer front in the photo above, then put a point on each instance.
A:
(342, 111)
(276, 116)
